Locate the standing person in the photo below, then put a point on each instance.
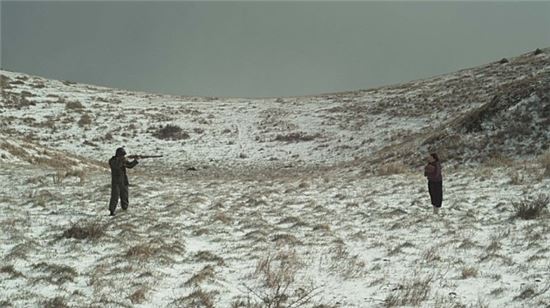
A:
(435, 181)
(119, 179)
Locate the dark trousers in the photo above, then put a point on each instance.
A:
(436, 193)
(118, 191)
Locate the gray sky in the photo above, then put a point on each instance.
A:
(254, 49)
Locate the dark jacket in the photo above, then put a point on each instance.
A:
(433, 172)
(118, 166)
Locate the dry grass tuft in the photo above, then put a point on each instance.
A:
(392, 168)
(56, 302)
(85, 120)
(544, 161)
(222, 217)
(531, 209)
(76, 105)
(171, 132)
(11, 271)
(197, 298)
(141, 252)
(58, 274)
(296, 137)
(207, 256)
(410, 292)
(206, 273)
(86, 230)
(468, 272)
(322, 227)
(138, 297)
(286, 238)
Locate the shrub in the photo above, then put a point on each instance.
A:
(278, 284)
(171, 132)
(531, 209)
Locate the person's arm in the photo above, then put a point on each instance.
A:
(130, 164)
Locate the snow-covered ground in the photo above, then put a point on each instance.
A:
(353, 241)
(283, 202)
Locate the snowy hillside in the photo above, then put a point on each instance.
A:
(314, 201)
(327, 129)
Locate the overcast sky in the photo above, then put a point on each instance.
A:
(258, 49)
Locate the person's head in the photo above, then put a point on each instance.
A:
(432, 158)
(120, 152)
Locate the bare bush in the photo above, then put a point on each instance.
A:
(531, 209)
(171, 132)
(278, 285)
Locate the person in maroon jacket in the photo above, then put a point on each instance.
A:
(435, 181)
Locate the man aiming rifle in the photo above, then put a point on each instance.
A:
(119, 178)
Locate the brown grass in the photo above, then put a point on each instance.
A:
(411, 292)
(206, 273)
(139, 295)
(197, 298)
(11, 271)
(171, 132)
(392, 168)
(75, 105)
(469, 272)
(85, 120)
(85, 230)
(56, 302)
(57, 274)
(141, 252)
(207, 256)
(544, 161)
(532, 209)
(296, 137)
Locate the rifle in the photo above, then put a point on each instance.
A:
(142, 156)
